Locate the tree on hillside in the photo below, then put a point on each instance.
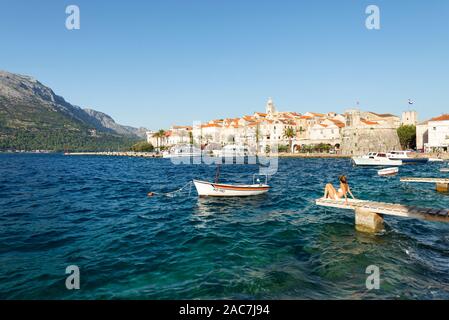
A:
(407, 136)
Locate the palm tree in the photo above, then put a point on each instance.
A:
(258, 134)
(159, 135)
(289, 133)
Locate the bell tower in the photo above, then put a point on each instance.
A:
(270, 109)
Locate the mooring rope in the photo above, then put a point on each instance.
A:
(172, 194)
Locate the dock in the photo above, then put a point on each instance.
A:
(369, 214)
(442, 184)
(115, 154)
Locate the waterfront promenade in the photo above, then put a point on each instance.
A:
(116, 154)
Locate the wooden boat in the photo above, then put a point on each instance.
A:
(388, 171)
(212, 189)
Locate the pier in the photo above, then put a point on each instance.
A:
(442, 184)
(115, 154)
(369, 214)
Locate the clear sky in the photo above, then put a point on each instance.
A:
(157, 63)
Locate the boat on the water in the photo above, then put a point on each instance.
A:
(435, 160)
(216, 189)
(211, 189)
(444, 170)
(376, 159)
(182, 151)
(388, 171)
(404, 156)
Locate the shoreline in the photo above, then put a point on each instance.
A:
(443, 156)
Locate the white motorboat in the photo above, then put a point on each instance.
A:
(388, 171)
(232, 150)
(211, 189)
(435, 160)
(444, 170)
(376, 159)
(182, 151)
(405, 157)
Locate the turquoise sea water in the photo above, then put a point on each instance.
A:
(93, 212)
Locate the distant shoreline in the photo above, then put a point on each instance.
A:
(444, 156)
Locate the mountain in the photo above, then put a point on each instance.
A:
(33, 116)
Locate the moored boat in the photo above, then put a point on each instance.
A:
(435, 160)
(182, 151)
(375, 159)
(211, 189)
(388, 171)
(404, 156)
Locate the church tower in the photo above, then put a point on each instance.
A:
(270, 109)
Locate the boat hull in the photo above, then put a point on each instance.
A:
(208, 189)
(388, 172)
(412, 160)
(360, 161)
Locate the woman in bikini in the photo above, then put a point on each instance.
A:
(331, 193)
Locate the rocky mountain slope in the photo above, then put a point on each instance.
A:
(31, 110)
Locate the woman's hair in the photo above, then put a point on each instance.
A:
(343, 179)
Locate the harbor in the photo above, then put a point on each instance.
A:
(161, 247)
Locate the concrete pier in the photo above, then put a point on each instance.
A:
(369, 214)
(442, 184)
(116, 154)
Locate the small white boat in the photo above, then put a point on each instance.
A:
(388, 171)
(211, 189)
(376, 159)
(445, 170)
(435, 160)
(182, 151)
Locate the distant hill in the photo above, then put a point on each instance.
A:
(33, 117)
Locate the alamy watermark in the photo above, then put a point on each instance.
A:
(373, 280)
(372, 22)
(208, 148)
(72, 282)
(73, 21)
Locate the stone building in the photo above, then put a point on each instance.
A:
(361, 135)
(409, 118)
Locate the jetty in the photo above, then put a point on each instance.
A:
(115, 154)
(442, 184)
(369, 214)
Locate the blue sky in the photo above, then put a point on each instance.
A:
(157, 63)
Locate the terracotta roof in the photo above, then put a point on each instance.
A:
(210, 125)
(443, 117)
(383, 115)
(338, 123)
(369, 122)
